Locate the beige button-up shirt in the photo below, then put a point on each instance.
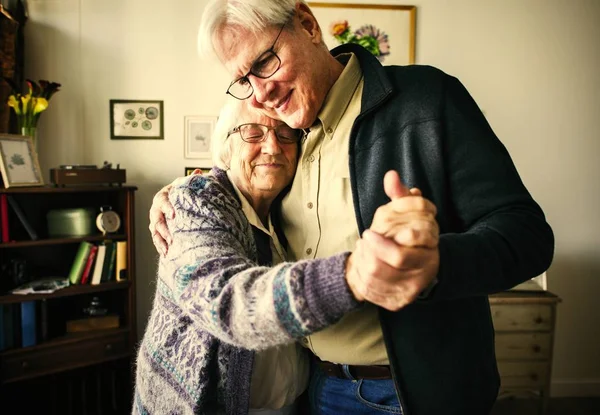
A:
(280, 374)
(319, 219)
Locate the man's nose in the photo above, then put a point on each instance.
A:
(270, 145)
(262, 88)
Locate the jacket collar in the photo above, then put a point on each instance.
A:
(378, 86)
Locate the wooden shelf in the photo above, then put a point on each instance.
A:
(65, 292)
(71, 189)
(59, 241)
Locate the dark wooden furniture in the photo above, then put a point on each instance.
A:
(524, 324)
(69, 373)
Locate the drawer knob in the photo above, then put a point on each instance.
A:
(534, 376)
(537, 348)
(108, 347)
(538, 320)
(24, 364)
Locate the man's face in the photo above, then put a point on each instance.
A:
(295, 93)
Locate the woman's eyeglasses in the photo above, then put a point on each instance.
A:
(256, 133)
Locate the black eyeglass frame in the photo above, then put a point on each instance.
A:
(250, 72)
(280, 140)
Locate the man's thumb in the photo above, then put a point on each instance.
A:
(393, 187)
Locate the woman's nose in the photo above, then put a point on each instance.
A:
(270, 145)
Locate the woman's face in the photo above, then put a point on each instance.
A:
(262, 170)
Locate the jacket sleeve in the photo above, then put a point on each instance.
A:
(208, 273)
(506, 239)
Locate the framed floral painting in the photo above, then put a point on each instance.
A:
(19, 161)
(387, 31)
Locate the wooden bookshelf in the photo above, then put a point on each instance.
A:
(59, 360)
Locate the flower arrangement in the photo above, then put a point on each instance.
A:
(28, 107)
(368, 36)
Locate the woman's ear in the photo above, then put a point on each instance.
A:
(308, 22)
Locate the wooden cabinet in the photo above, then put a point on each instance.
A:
(524, 324)
(69, 372)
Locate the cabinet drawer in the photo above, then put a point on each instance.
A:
(522, 317)
(523, 346)
(37, 361)
(523, 374)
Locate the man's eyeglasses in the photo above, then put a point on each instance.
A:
(263, 67)
(256, 133)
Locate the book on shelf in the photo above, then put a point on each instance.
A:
(110, 321)
(79, 262)
(22, 218)
(109, 259)
(28, 324)
(87, 270)
(7, 326)
(121, 271)
(4, 217)
(97, 274)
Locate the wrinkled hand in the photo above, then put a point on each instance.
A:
(160, 210)
(398, 257)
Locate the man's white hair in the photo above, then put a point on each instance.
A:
(254, 15)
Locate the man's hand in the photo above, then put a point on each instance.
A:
(393, 272)
(160, 210)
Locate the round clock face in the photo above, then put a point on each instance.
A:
(108, 221)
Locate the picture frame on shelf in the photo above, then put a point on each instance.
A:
(198, 133)
(135, 119)
(387, 30)
(19, 162)
(190, 170)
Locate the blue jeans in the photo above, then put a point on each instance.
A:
(333, 396)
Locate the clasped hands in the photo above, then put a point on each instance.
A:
(398, 257)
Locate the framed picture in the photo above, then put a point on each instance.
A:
(190, 170)
(19, 161)
(387, 31)
(197, 136)
(136, 119)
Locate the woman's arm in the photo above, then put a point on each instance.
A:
(211, 274)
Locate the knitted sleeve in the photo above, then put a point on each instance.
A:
(211, 274)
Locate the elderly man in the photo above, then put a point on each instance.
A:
(429, 348)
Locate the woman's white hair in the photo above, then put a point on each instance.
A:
(254, 15)
(229, 117)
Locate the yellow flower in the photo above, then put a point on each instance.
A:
(39, 105)
(25, 99)
(12, 102)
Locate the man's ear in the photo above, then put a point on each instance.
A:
(308, 22)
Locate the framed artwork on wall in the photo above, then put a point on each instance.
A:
(132, 119)
(19, 161)
(386, 30)
(197, 135)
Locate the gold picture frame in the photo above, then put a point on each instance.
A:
(391, 29)
(19, 162)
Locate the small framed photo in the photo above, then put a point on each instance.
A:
(131, 119)
(190, 170)
(198, 133)
(19, 161)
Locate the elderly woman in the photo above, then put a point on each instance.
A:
(218, 309)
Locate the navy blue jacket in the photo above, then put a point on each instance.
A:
(424, 124)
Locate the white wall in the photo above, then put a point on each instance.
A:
(532, 65)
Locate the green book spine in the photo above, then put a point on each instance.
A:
(79, 262)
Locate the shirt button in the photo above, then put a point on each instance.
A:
(309, 251)
(329, 130)
(305, 341)
(309, 205)
(311, 158)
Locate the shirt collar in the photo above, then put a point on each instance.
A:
(341, 93)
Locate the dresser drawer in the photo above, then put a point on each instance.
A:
(524, 374)
(46, 359)
(522, 317)
(523, 346)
